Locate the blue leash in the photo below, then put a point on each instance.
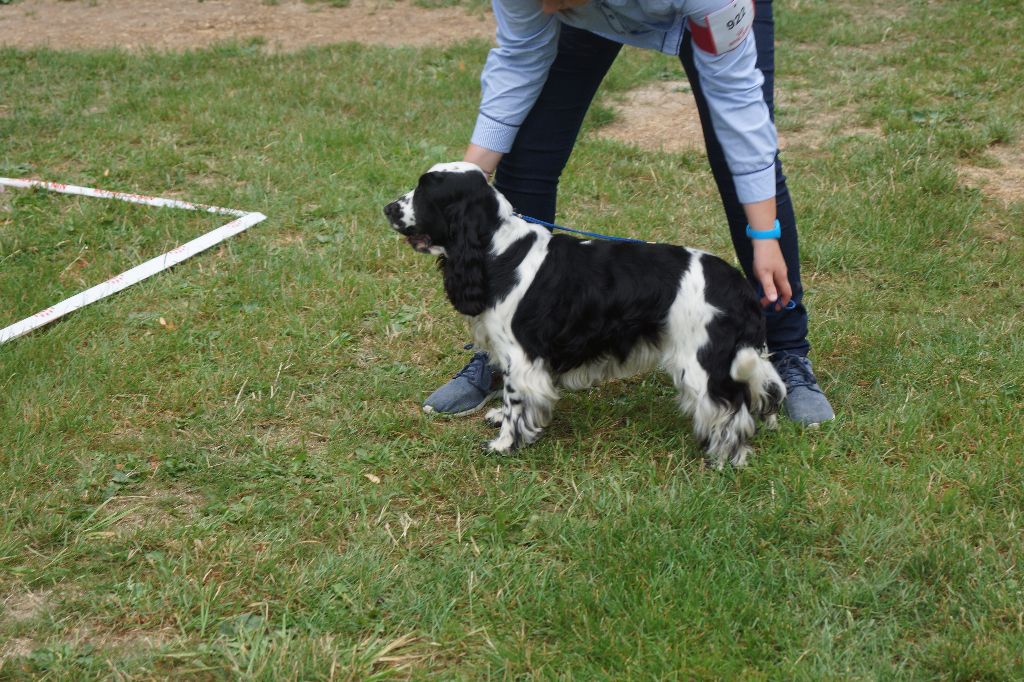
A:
(597, 235)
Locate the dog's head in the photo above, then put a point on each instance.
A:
(452, 214)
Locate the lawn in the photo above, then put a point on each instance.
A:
(223, 472)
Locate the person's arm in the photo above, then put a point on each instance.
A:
(513, 75)
(732, 85)
(769, 265)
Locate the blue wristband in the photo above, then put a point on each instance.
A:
(773, 233)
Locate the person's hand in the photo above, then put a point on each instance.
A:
(770, 271)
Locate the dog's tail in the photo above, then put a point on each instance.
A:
(767, 391)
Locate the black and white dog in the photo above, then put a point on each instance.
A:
(555, 311)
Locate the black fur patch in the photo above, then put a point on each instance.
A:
(501, 270)
(598, 299)
(741, 325)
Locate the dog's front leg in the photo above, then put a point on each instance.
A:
(527, 404)
(494, 416)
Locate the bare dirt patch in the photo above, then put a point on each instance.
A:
(662, 116)
(21, 607)
(810, 121)
(1003, 179)
(151, 507)
(129, 642)
(183, 24)
(16, 648)
(25, 606)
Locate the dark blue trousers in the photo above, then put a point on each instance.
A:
(528, 175)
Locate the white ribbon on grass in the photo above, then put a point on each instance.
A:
(243, 221)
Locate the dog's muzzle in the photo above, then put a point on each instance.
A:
(395, 212)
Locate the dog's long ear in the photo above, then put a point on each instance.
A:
(471, 222)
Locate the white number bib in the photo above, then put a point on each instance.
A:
(725, 28)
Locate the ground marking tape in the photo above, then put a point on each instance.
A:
(243, 221)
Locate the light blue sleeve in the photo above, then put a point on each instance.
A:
(515, 71)
(732, 86)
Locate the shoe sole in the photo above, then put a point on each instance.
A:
(465, 413)
(814, 425)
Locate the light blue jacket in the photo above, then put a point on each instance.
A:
(527, 41)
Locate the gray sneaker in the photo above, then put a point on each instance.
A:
(468, 391)
(806, 403)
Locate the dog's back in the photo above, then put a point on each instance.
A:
(598, 300)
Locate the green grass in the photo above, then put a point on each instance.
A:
(251, 491)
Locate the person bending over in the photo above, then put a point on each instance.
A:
(537, 85)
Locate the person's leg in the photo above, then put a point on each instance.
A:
(787, 330)
(528, 177)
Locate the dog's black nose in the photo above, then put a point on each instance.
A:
(393, 211)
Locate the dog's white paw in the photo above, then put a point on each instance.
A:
(771, 422)
(502, 445)
(739, 459)
(493, 416)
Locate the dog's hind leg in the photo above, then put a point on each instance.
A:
(724, 429)
(527, 405)
(723, 425)
(766, 388)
